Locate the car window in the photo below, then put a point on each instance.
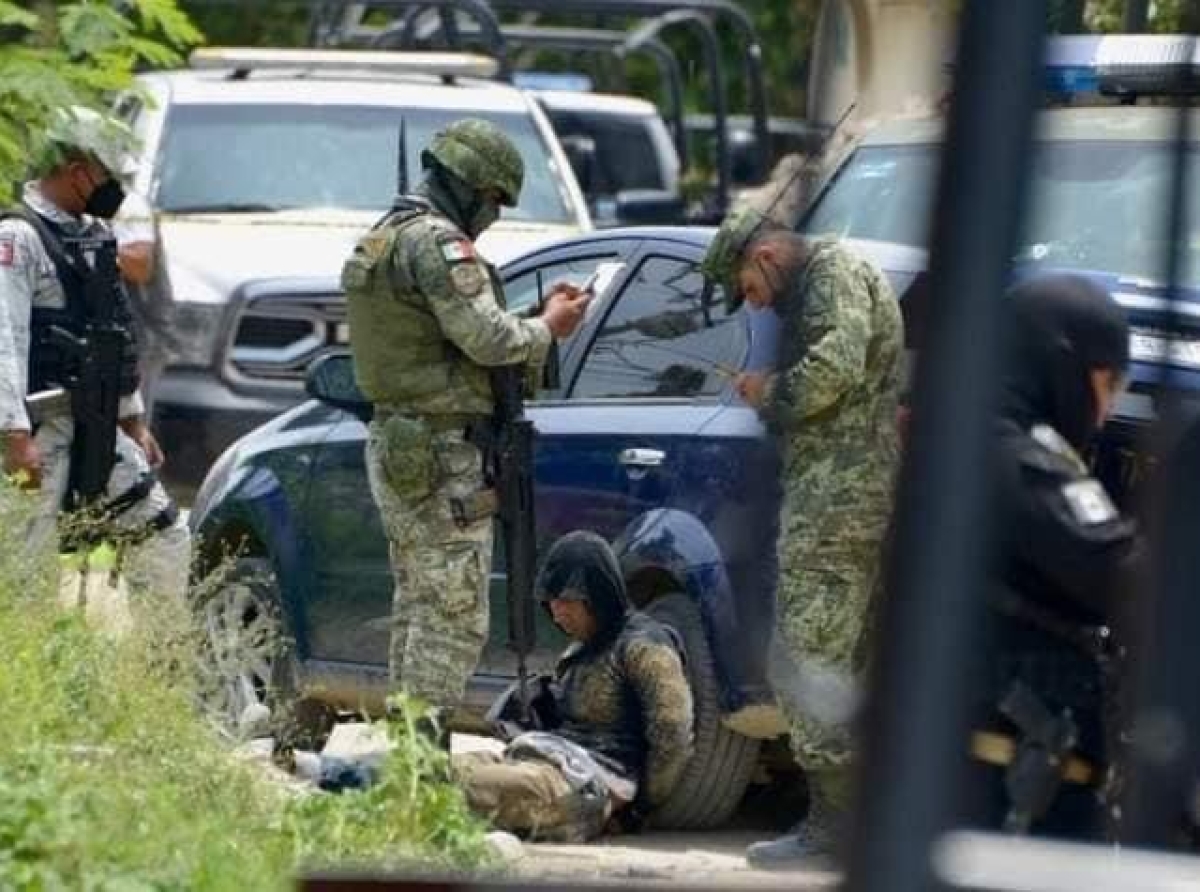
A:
(303, 156)
(627, 154)
(1093, 204)
(521, 291)
(655, 343)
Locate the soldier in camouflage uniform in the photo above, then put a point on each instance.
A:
(615, 722)
(832, 403)
(427, 319)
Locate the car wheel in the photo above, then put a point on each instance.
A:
(248, 672)
(716, 777)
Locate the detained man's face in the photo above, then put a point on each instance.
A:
(574, 617)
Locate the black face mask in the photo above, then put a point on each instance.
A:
(105, 200)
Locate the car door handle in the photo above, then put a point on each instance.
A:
(642, 458)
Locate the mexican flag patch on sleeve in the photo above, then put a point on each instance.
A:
(456, 249)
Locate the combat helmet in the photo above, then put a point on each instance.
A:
(106, 139)
(720, 263)
(478, 153)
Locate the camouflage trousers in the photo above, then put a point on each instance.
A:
(439, 607)
(824, 602)
(526, 796)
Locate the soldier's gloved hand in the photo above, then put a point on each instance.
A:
(564, 310)
(22, 459)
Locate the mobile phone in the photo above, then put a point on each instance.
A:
(589, 284)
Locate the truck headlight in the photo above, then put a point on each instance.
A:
(197, 330)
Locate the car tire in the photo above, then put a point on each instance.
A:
(715, 778)
(249, 679)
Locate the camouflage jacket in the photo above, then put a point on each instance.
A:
(833, 401)
(427, 317)
(631, 702)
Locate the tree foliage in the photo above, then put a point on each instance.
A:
(57, 54)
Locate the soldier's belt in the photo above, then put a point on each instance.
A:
(1000, 750)
(436, 423)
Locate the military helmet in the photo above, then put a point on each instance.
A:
(106, 139)
(479, 154)
(720, 263)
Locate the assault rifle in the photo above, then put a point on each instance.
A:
(511, 458)
(94, 377)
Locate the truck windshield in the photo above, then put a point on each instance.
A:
(1094, 205)
(276, 157)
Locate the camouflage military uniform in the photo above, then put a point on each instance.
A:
(619, 711)
(835, 411)
(426, 320)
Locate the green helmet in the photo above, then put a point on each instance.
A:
(479, 154)
(720, 263)
(106, 139)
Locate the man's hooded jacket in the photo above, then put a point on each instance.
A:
(623, 694)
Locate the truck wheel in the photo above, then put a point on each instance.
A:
(247, 664)
(716, 776)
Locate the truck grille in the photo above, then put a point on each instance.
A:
(275, 339)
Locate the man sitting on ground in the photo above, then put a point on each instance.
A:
(615, 721)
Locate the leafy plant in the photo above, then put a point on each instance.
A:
(112, 779)
(56, 54)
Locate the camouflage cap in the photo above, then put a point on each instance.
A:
(106, 139)
(724, 254)
(479, 153)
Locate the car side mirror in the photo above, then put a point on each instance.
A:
(331, 380)
(581, 153)
(642, 207)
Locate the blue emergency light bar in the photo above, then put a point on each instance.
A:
(552, 80)
(1122, 65)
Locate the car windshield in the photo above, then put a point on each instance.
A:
(1095, 205)
(277, 157)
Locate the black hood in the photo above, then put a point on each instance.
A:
(450, 195)
(1061, 326)
(584, 563)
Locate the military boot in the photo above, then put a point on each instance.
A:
(814, 843)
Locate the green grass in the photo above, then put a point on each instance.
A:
(111, 780)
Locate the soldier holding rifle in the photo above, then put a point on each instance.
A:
(70, 413)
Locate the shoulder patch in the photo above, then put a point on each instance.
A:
(8, 249)
(455, 248)
(1052, 441)
(468, 278)
(1089, 503)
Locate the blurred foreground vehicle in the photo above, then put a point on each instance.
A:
(264, 167)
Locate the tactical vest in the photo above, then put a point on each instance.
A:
(401, 357)
(48, 365)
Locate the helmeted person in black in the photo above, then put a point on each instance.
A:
(1065, 560)
(615, 722)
